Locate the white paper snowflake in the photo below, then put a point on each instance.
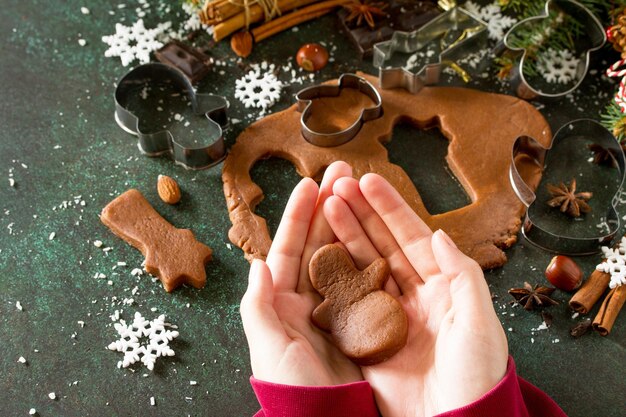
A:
(133, 42)
(558, 66)
(131, 338)
(259, 88)
(497, 23)
(615, 264)
(193, 22)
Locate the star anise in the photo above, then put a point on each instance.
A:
(531, 297)
(568, 199)
(604, 156)
(365, 11)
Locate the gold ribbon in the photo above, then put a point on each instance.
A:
(269, 7)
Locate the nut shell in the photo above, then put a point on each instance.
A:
(168, 189)
(241, 43)
(312, 57)
(564, 273)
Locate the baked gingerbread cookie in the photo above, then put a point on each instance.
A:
(481, 129)
(174, 255)
(367, 324)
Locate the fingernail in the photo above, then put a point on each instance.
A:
(447, 238)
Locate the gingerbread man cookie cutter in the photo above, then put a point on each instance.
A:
(470, 32)
(557, 242)
(156, 141)
(558, 9)
(306, 96)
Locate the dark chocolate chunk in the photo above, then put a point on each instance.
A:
(191, 62)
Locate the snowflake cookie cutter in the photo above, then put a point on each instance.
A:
(306, 96)
(593, 35)
(562, 242)
(156, 141)
(470, 33)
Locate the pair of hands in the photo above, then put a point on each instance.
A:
(456, 349)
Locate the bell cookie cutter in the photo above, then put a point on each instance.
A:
(545, 239)
(160, 141)
(595, 36)
(306, 96)
(472, 33)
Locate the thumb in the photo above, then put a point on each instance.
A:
(263, 329)
(468, 288)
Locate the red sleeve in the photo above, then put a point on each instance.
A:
(512, 397)
(277, 400)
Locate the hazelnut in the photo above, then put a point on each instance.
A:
(564, 273)
(312, 57)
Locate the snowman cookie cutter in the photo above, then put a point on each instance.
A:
(594, 35)
(329, 139)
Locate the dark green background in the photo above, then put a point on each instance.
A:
(55, 92)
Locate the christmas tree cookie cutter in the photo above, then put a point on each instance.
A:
(526, 147)
(467, 30)
(160, 140)
(305, 99)
(556, 10)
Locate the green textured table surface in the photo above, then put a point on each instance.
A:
(68, 158)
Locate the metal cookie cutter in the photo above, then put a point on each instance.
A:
(469, 31)
(306, 96)
(558, 242)
(159, 140)
(594, 37)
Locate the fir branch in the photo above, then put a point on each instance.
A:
(614, 120)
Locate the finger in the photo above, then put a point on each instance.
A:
(378, 233)
(411, 233)
(320, 232)
(264, 331)
(349, 232)
(468, 288)
(352, 236)
(285, 253)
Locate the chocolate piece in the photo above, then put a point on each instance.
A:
(481, 129)
(367, 324)
(173, 255)
(404, 15)
(191, 62)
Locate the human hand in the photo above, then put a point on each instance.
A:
(285, 346)
(456, 349)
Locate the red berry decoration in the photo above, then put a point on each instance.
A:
(564, 273)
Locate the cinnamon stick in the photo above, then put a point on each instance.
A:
(292, 19)
(590, 292)
(609, 310)
(238, 21)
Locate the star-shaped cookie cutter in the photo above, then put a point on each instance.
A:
(595, 35)
(306, 96)
(471, 32)
(160, 141)
(527, 147)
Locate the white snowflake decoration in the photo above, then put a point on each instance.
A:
(615, 264)
(558, 66)
(193, 22)
(131, 336)
(133, 42)
(497, 23)
(259, 90)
